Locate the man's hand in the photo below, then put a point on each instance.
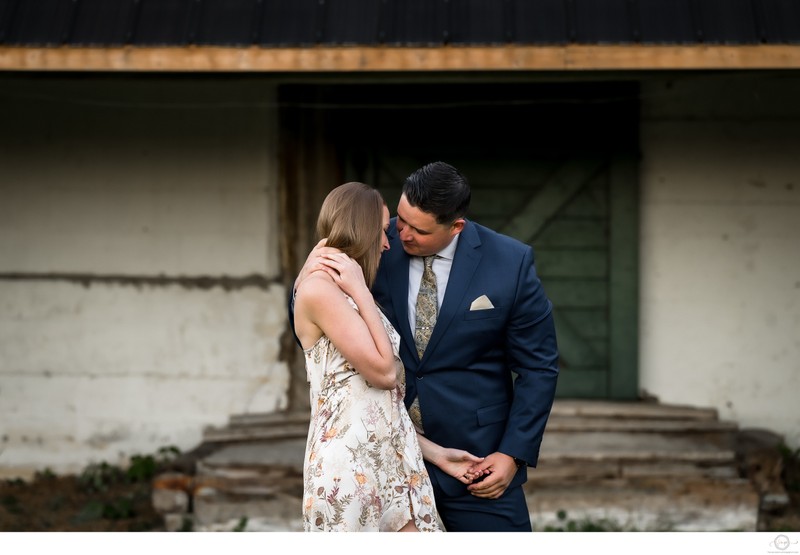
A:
(499, 469)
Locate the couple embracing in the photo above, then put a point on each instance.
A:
(432, 361)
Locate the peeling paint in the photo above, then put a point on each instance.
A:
(227, 283)
(101, 440)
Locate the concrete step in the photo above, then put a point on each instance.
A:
(633, 466)
(637, 447)
(566, 416)
(591, 431)
(656, 504)
(258, 481)
(630, 410)
(260, 427)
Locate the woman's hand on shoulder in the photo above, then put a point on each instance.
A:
(346, 273)
(314, 262)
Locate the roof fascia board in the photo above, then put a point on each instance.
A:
(401, 59)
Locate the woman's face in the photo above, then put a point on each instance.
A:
(384, 238)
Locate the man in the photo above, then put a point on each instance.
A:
(477, 341)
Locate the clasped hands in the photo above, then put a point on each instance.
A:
(486, 477)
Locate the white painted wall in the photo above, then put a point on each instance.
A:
(176, 177)
(720, 247)
(139, 178)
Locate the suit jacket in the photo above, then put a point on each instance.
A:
(487, 379)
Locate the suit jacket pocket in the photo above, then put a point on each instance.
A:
(492, 414)
(482, 314)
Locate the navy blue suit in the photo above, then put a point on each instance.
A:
(468, 394)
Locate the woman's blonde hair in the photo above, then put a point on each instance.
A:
(351, 218)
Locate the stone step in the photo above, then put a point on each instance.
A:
(565, 423)
(635, 466)
(261, 456)
(223, 511)
(256, 428)
(634, 504)
(657, 504)
(638, 410)
(617, 434)
(549, 471)
(256, 466)
(630, 410)
(255, 432)
(638, 447)
(567, 416)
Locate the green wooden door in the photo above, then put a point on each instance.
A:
(552, 165)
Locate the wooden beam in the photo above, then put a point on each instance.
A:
(400, 59)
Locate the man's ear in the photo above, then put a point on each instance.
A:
(457, 226)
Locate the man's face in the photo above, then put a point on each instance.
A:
(419, 232)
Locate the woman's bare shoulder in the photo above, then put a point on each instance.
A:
(317, 285)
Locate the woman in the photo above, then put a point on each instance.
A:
(363, 468)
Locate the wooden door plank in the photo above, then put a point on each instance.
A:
(572, 263)
(554, 194)
(576, 350)
(583, 383)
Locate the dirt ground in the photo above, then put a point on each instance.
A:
(107, 499)
(64, 504)
(102, 498)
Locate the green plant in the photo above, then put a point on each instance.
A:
(98, 476)
(142, 468)
(46, 474)
(187, 525)
(242, 525)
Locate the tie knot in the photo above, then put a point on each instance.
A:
(428, 260)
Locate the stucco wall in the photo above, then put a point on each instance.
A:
(140, 286)
(140, 294)
(720, 246)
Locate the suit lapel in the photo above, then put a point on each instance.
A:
(465, 261)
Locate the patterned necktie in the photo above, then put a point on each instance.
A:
(427, 306)
(427, 310)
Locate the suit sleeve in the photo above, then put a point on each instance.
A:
(532, 354)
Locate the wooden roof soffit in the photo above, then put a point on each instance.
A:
(400, 59)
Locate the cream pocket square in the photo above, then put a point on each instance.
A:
(481, 303)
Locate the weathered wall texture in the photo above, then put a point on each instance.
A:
(140, 280)
(720, 248)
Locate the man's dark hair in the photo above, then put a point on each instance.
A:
(439, 189)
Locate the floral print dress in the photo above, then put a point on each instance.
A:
(363, 466)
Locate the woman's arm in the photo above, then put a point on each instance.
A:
(454, 462)
(360, 336)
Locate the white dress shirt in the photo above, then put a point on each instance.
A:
(441, 268)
